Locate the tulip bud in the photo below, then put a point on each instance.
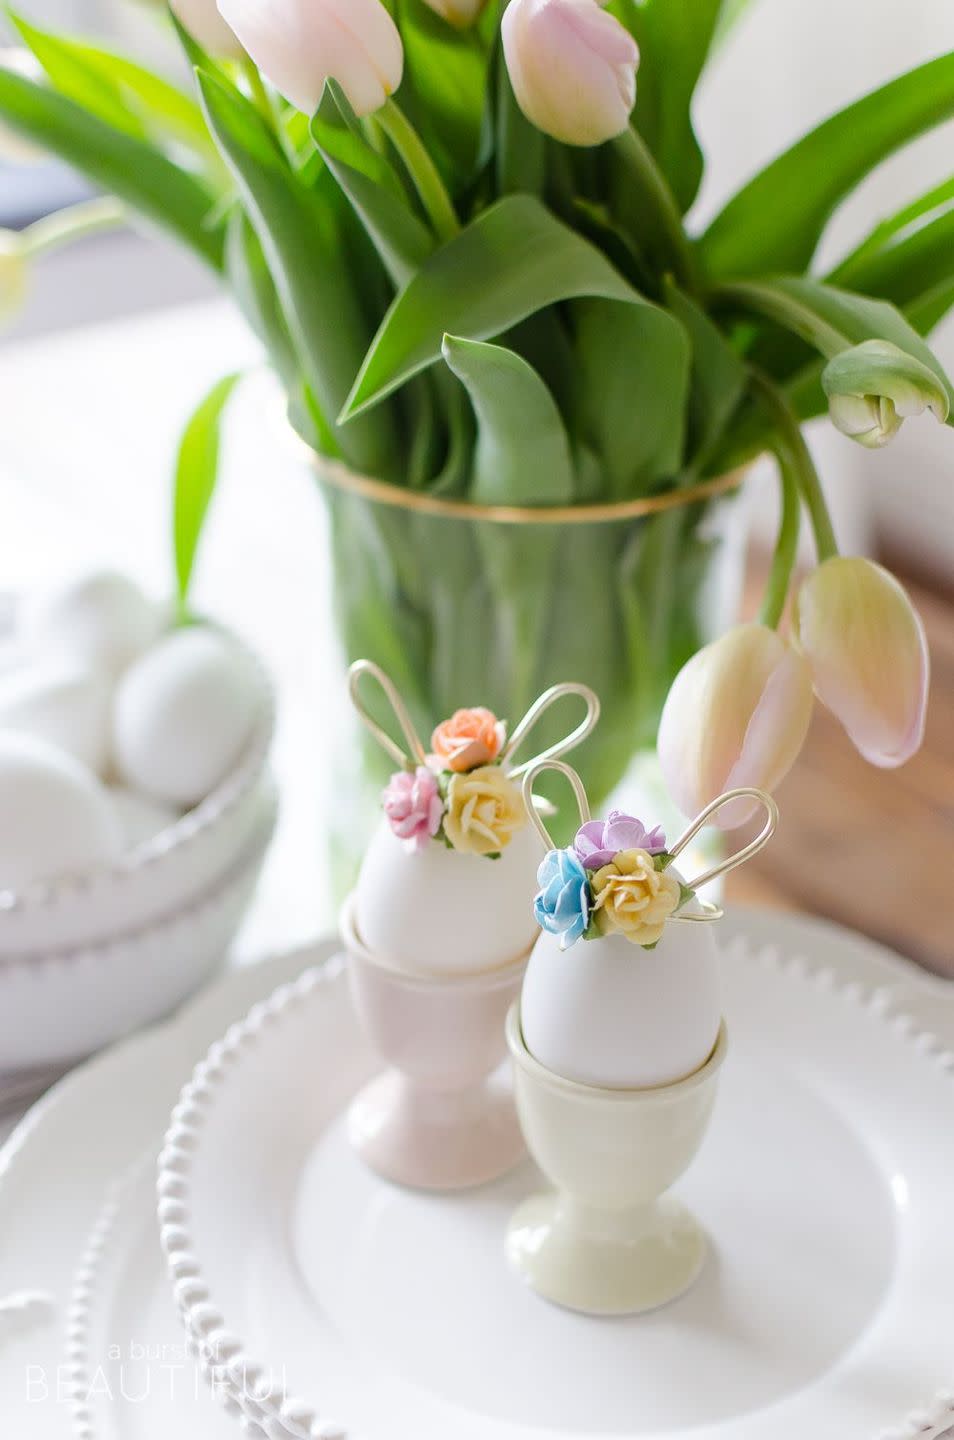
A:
(572, 67)
(737, 714)
(874, 387)
(459, 13)
(13, 273)
(866, 646)
(204, 23)
(301, 44)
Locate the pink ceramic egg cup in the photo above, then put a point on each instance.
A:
(439, 1117)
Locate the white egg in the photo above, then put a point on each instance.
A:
(607, 1012)
(101, 619)
(184, 713)
(139, 818)
(439, 912)
(68, 706)
(55, 817)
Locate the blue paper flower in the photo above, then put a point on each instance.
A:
(563, 904)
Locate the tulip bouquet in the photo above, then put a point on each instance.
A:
(459, 227)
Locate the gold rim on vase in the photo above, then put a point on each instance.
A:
(380, 492)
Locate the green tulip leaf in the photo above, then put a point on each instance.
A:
(70, 73)
(522, 455)
(718, 374)
(308, 259)
(775, 221)
(371, 185)
(905, 263)
(674, 42)
(513, 260)
(446, 73)
(632, 409)
(197, 472)
(129, 167)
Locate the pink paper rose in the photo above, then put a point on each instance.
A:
(413, 805)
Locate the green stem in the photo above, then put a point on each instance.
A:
(785, 310)
(803, 466)
(90, 217)
(264, 103)
(656, 191)
(786, 547)
(421, 168)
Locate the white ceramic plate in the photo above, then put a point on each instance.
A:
(337, 1304)
(82, 1281)
(67, 1171)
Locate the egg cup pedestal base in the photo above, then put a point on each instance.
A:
(605, 1263)
(608, 1239)
(438, 1117)
(431, 1140)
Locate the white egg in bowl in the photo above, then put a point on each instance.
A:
(166, 870)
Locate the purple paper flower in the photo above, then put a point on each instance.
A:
(599, 840)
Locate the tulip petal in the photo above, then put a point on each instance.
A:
(737, 713)
(868, 653)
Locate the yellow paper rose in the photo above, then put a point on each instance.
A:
(633, 897)
(484, 808)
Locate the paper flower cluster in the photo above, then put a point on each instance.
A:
(613, 879)
(463, 796)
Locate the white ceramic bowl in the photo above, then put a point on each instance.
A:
(157, 878)
(61, 1006)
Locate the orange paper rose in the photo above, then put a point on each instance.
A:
(468, 739)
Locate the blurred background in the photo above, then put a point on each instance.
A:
(120, 336)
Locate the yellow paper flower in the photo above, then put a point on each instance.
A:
(484, 808)
(633, 897)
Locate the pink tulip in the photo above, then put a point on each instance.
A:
(737, 714)
(204, 23)
(300, 44)
(572, 67)
(866, 646)
(459, 13)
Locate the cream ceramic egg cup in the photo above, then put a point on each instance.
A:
(438, 1117)
(608, 1239)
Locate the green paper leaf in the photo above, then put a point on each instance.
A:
(513, 260)
(674, 42)
(370, 183)
(632, 391)
(775, 221)
(130, 168)
(197, 472)
(308, 260)
(522, 455)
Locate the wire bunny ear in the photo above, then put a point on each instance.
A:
(537, 767)
(358, 670)
(709, 911)
(561, 747)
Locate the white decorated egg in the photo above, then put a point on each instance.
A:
(609, 1013)
(441, 912)
(67, 705)
(55, 817)
(184, 713)
(100, 619)
(139, 818)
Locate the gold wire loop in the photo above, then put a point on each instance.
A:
(531, 802)
(741, 856)
(417, 756)
(549, 697)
